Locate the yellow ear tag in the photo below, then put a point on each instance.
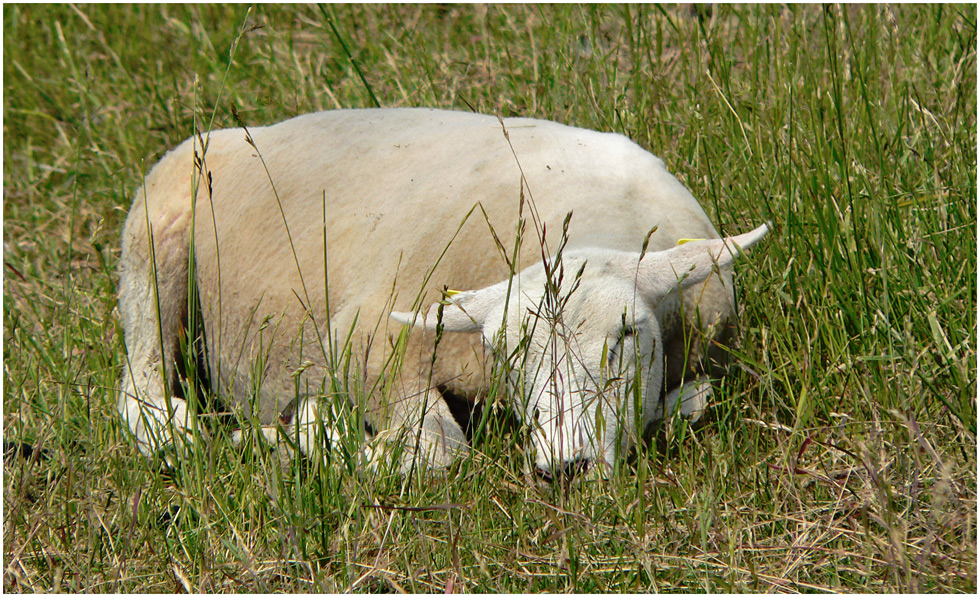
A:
(681, 241)
(448, 293)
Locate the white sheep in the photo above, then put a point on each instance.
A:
(388, 207)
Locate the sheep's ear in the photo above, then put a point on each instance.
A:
(461, 311)
(690, 263)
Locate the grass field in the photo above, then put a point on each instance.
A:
(840, 454)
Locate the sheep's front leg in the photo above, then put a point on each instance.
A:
(422, 430)
(690, 398)
(311, 426)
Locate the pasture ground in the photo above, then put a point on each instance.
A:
(840, 455)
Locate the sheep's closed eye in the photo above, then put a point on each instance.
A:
(626, 334)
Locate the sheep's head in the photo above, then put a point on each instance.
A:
(583, 341)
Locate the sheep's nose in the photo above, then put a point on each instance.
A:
(566, 471)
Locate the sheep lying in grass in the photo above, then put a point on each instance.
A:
(316, 240)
